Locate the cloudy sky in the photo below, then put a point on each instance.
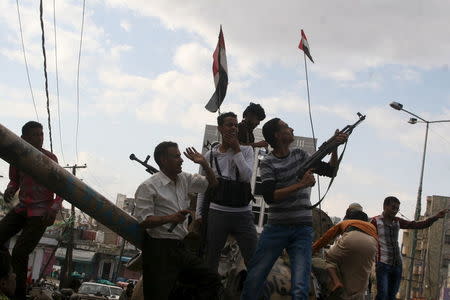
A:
(145, 76)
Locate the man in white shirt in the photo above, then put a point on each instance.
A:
(229, 211)
(161, 201)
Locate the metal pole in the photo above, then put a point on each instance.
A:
(416, 217)
(45, 171)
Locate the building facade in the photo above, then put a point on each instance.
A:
(432, 256)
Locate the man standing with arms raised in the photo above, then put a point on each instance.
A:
(290, 217)
(229, 209)
(162, 200)
(389, 261)
(36, 210)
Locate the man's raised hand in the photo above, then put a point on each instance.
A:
(195, 156)
(340, 138)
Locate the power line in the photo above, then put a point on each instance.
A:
(78, 78)
(438, 134)
(99, 184)
(57, 84)
(45, 75)
(25, 60)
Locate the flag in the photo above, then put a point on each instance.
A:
(220, 73)
(305, 46)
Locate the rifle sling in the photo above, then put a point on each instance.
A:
(332, 179)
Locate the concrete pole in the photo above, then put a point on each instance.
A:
(28, 159)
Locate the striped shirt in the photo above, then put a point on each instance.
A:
(388, 248)
(283, 171)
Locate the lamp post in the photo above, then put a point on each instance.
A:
(398, 106)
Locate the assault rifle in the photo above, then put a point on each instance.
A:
(327, 147)
(150, 169)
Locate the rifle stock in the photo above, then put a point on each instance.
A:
(327, 147)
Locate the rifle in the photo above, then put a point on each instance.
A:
(150, 169)
(326, 148)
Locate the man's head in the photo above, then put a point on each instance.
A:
(253, 115)
(32, 133)
(7, 276)
(352, 207)
(391, 206)
(168, 157)
(227, 124)
(276, 132)
(358, 215)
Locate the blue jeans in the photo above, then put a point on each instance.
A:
(297, 240)
(388, 281)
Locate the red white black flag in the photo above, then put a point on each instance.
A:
(305, 46)
(220, 73)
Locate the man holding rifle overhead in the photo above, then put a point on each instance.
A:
(161, 201)
(290, 217)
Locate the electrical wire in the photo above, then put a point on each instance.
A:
(41, 10)
(25, 60)
(57, 83)
(98, 184)
(78, 79)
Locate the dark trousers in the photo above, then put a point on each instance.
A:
(167, 262)
(388, 281)
(32, 230)
(238, 224)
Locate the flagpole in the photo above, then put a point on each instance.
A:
(313, 134)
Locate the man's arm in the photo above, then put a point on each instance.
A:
(13, 185)
(271, 194)
(155, 221)
(327, 237)
(306, 181)
(329, 169)
(404, 224)
(244, 162)
(198, 158)
(260, 144)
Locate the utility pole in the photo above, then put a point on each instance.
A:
(122, 248)
(67, 268)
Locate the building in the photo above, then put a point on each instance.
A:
(211, 136)
(432, 256)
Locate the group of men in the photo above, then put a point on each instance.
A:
(224, 208)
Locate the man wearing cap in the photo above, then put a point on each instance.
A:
(353, 206)
(350, 259)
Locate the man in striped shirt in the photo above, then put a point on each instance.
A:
(36, 210)
(290, 217)
(389, 262)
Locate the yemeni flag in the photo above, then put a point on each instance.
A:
(305, 46)
(220, 73)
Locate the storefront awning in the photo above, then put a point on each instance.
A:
(77, 255)
(123, 258)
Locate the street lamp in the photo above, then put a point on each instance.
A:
(399, 106)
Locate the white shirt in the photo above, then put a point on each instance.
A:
(228, 162)
(160, 196)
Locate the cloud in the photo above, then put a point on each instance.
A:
(408, 75)
(344, 38)
(193, 58)
(125, 25)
